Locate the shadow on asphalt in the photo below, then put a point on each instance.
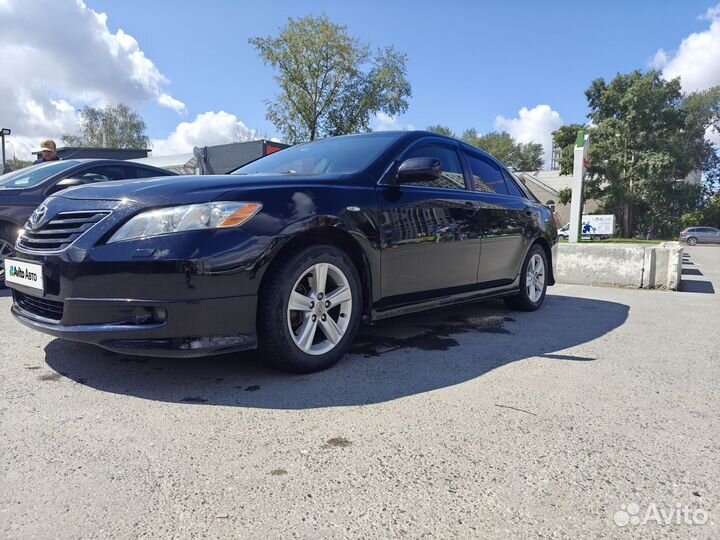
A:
(5, 292)
(395, 358)
(697, 286)
(694, 285)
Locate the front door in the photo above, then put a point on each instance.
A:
(430, 233)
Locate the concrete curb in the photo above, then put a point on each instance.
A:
(634, 266)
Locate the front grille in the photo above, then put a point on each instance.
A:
(49, 309)
(61, 231)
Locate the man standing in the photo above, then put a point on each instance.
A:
(48, 152)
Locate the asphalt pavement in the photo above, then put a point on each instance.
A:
(595, 417)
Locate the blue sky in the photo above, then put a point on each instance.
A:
(468, 62)
(188, 68)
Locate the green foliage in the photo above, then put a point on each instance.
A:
(646, 137)
(324, 90)
(564, 138)
(442, 130)
(708, 216)
(527, 157)
(16, 164)
(501, 145)
(565, 195)
(498, 144)
(111, 127)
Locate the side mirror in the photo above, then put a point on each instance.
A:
(419, 169)
(67, 183)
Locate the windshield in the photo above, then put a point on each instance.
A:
(336, 155)
(32, 176)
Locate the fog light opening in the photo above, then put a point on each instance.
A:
(159, 314)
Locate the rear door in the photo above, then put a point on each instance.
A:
(430, 235)
(505, 219)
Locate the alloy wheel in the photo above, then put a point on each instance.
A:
(535, 278)
(319, 309)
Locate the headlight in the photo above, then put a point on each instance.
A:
(192, 217)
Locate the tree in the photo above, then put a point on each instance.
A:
(442, 130)
(527, 156)
(564, 138)
(647, 136)
(16, 164)
(708, 216)
(324, 90)
(501, 145)
(111, 127)
(565, 195)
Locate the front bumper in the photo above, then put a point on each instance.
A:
(185, 328)
(180, 295)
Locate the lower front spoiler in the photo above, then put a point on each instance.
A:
(148, 339)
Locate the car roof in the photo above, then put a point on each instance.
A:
(109, 161)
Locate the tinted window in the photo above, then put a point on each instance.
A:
(486, 175)
(452, 174)
(336, 155)
(512, 187)
(105, 173)
(32, 176)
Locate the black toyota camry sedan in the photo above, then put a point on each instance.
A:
(288, 255)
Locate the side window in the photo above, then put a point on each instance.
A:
(487, 176)
(141, 172)
(105, 173)
(452, 174)
(512, 187)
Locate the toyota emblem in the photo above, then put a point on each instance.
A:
(37, 216)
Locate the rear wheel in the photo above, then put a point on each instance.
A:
(309, 311)
(533, 281)
(691, 241)
(7, 248)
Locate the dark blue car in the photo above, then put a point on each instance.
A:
(289, 254)
(23, 190)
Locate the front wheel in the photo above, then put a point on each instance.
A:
(310, 309)
(533, 281)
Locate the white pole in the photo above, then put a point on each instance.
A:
(581, 149)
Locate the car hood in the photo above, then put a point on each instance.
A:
(178, 190)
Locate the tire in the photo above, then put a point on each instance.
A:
(691, 241)
(7, 248)
(535, 265)
(314, 336)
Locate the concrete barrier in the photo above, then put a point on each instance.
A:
(617, 265)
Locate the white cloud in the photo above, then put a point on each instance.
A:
(59, 56)
(533, 125)
(385, 122)
(207, 129)
(713, 135)
(166, 100)
(697, 59)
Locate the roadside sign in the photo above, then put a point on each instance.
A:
(602, 224)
